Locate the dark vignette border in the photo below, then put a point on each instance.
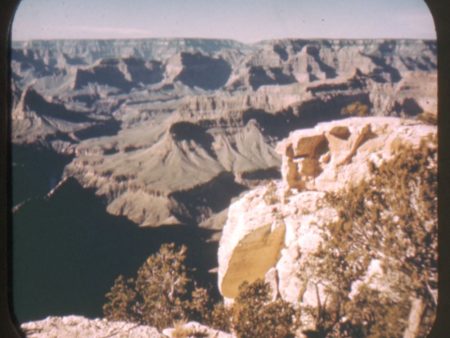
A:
(439, 9)
(8, 325)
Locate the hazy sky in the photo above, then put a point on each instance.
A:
(243, 20)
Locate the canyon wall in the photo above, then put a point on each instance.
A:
(156, 125)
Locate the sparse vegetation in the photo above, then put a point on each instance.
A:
(221, 317)
(428, 117)
(270, 195)
(255, 315)
(162, 293)
(391, 218)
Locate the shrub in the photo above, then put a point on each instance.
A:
(200, 305)
(221, 317)
(121, 299)
(357, 108)
(158, 296)
(254, 315)
(163, 295)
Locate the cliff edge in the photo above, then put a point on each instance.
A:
(275, 231)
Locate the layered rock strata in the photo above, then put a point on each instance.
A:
(157, 124)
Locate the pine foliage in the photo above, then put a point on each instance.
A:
(391, 218)
(162, 294)
(255, 315)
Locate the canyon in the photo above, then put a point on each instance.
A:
(157, 126)
(224, 146)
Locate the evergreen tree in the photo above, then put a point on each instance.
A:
(159, 296)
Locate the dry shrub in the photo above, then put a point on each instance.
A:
(254, 315)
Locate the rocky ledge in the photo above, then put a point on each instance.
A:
(273, 231)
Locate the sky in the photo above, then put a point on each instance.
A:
(243, 20)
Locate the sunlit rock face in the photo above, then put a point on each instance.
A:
(263, 232)
(334, 155)
(273, 230)
(256, 237)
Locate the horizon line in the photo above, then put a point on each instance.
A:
(217, 39)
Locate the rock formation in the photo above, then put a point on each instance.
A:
(273, 230)
(154, 124)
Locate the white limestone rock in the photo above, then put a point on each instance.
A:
(253, 230)
(273, 231)
(336, 154)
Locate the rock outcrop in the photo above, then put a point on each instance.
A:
(122, 74)
(274, 230)
(334, 155)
